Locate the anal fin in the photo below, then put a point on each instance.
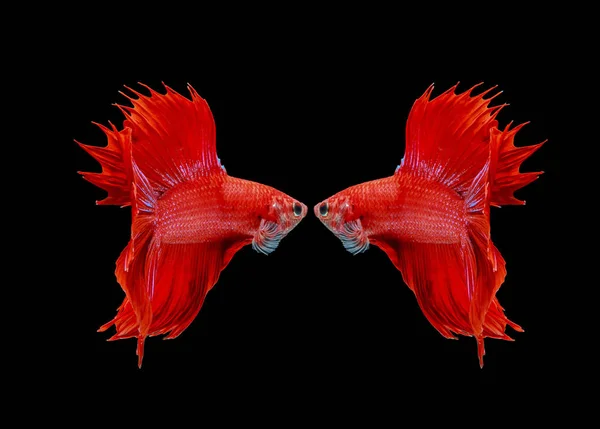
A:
(437, 275)
(166, 298)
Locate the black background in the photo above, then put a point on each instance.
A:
(309, 118)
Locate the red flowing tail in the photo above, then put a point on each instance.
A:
(506, 178)
(453, 139)
(115, 160)
(167, 140)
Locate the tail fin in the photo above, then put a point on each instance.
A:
(453, 140)
(506, 178)
(167, 140)
(455, 284)
(115, 160)
(484, 265)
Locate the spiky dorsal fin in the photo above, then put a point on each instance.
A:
(173, 137)
(447, 137)
(169, 137)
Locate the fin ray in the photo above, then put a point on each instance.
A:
(189, 127)
(115, 177)
(447, 136)
(165, 289)
(507, 178)
(436, 274)
(456, 284)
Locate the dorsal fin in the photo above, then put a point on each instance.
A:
(173, 137)
(447, 137)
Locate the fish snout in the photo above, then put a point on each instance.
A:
(316, 209)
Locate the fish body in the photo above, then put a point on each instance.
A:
(189, 217)
(231, 209)
(407, 207)
(431, 217)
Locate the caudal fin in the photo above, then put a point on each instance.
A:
(506, 179)
(115, 160)
(484, 266)
(453, 140)
(456, 283)
(167, 140)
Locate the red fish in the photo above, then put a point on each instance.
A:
(189, 217)
(431, 217)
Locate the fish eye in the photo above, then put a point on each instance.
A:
(297, 209)
(324, 209)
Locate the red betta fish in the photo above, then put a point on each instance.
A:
(431, 217)
(189, 217)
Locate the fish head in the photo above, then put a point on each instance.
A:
(281, 214)
(286, 211)
(341, 216)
